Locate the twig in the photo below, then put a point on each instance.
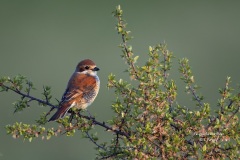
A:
(230, 104)
(102, 124)
(164, 66)
(29, 88)
(28, 96)
(111, 155)
(234, 113)
(186, 76)
(195, 95)
(45, 95)
(169, 99)
(123, 36)
(95, 141)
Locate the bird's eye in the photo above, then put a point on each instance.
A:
(87, 67)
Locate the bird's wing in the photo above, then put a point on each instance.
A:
(78, 85)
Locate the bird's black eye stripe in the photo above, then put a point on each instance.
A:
(87, 67)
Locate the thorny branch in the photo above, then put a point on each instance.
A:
(28, 96)
(102, 124)
(190, 87)
(165, 66)
(195, 95)
(99, 146)
(123, 36)
(165, 75)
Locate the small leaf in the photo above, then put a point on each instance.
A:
(198, 113)
(130, 49)
(135, 59)
(204, 148)
(150, 48)
(194, 145)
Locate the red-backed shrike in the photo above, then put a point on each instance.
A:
(81, 90)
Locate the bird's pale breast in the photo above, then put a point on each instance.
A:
(91, 95)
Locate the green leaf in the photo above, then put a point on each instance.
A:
(204, 148)
(150, 48)
(135, 59)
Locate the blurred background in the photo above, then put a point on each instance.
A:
(44, 40)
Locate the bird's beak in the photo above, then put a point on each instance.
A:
(96, 69)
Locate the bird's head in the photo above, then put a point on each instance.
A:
(87, 66)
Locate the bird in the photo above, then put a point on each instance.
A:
(82, 89)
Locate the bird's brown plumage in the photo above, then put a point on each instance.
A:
(81, 90)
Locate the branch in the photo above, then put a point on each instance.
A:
(196, 97)
(28, 96)
(188, 79)
(234, 113)
(128, 53)
(165, 65)
(111, 155)
(124, 35)
(102, 124)
(95, 141)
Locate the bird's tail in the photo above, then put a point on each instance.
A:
(61, 112)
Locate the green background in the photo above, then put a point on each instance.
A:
(44, 40)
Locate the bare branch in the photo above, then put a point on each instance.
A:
(99, 146)
(103, 124)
